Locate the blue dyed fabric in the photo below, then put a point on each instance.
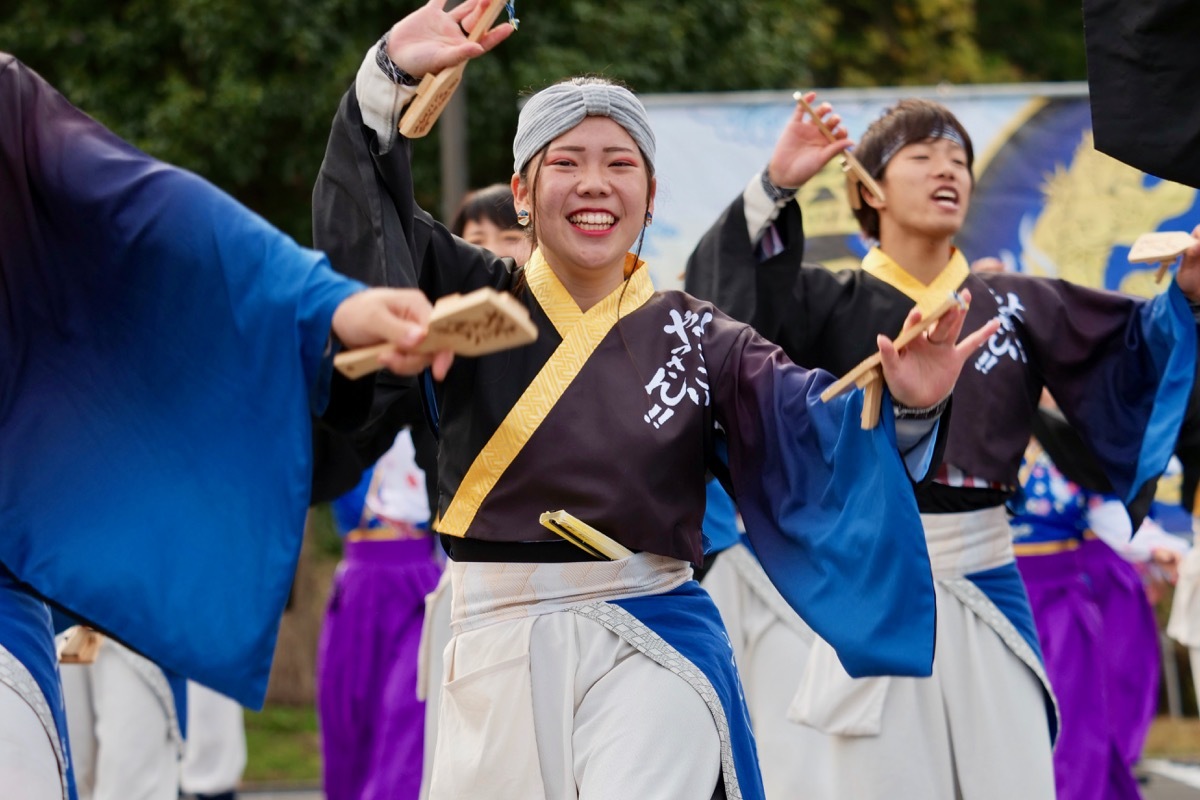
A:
(348, 508)
(720, 524)
(1169, 330)
(687, 619)
(829, 510)
(1003, 586)
(163, 348)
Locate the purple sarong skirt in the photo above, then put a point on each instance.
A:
(1130, 645)
(1088, 763)
(372, 725)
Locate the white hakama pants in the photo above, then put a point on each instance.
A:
(214, 755)
(977, 728)
(555, 705)
(435, 635)
(29, 767)
(771, 644)
(121, 721)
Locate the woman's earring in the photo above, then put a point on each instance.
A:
(523, 218)
(649, 218)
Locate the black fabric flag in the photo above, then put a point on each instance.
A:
(1143, 66)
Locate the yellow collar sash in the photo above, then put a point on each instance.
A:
(581, 334)
(880, 265)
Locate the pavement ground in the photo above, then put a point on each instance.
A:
(1167, 780)
(1171, 780)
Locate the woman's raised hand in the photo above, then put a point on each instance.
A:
(431, 38)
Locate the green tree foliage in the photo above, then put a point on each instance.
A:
(239, 92)
(905, 42)
(1042, 39)
(243, 93)
(653, 46)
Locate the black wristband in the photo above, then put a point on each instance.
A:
(934, 411)
(394, 73)
(777, 194)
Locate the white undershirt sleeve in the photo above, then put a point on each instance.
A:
(760, 210)
(1110, 522)
(380, 100)
(915, 439)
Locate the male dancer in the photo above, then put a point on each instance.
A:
(1121, 369)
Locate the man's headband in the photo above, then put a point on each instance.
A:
(900, 142)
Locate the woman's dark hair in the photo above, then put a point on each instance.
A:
(492, 203)
(910, 120)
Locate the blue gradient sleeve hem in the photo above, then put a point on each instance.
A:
(830, 513)
(325, 291)
(1170, 332)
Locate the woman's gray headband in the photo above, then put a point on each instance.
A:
(555, 110)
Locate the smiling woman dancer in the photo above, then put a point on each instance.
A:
(565, 673)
